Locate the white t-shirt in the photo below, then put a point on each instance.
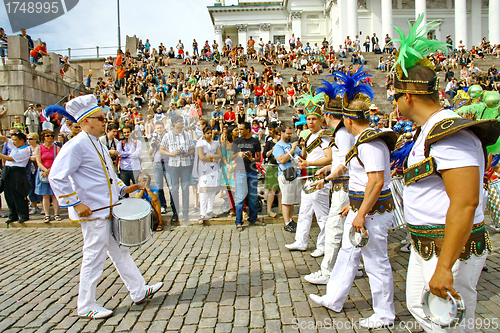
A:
(375, 156)
(426, 201)
(344, 141)
(317, 152)
(20, 155)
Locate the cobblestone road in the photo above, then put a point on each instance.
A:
(216, 280)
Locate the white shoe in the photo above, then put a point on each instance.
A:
(97, 313)
(317, 278)
(296, 246)
(317, 299)
(32, 211)
(375, 322)
(404, 242)
(163, 210)
(317, 253)
(359, 273)
(150, 292)
(406, 248)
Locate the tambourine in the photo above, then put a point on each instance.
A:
(443, 312)
(358, 239)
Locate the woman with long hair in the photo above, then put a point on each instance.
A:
(32, 173)
(45, 155)
(228, 166)
(208, 170)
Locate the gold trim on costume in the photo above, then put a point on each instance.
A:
(67, 195)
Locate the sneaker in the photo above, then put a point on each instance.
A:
(97, 313)
(296, 246)
(317, 278)
(359, 273)
(406, 248)
(317, 299)
(163, 210)
(317, 253)
(290, 227)
(150, 292)
(375, 322)
(33, 211)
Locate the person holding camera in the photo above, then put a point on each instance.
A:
(110, 141)
(178, 145)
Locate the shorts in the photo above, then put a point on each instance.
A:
(33, 61)
(290, 191)
(3, 51)
(271, 180)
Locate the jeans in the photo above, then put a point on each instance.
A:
(246, 184)
(257, 99)
(160, 171)
(129, 177)
(174, 175)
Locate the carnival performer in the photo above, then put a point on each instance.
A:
(83, 179)
(369, 210)
(315, 155)
(206, 168)
(338, 174)
(443, 177)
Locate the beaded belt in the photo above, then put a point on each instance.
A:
(384, 203)
(340, 183)
(428, 240)
(312, 171)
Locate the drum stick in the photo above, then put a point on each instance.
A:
(98, 209)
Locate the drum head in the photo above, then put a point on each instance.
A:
(132, 209)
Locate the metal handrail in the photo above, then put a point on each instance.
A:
(97, 54)
(72, 91)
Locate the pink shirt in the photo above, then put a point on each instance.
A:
(48, 155)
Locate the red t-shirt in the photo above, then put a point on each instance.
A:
(229, 115)
(119, 60)
(259, 91)
(37, 49)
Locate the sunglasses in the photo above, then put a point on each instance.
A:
(31, 138)
(398, 96)
(47, 136)
(100, 118)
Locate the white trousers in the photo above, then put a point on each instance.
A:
(317, 203)
(97, 241)
(206, 202)
(465, 277)
(377, 266)
(334, 229)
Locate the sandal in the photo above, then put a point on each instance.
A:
(272, 215)
(201, 220)
(258, 223)
(46, 219)
(212, 215)
(57, 217)
(239, 227)
(159, 228)
(231, 213)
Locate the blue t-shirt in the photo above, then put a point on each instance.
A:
(282, 148)
(153, 189)
(216, 114)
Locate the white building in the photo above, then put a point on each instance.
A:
(312, 20)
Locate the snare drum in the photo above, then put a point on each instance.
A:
(132, 222)
(443, 312)
(397, 188)
(494, 201)
(358, 239)
(306, 185)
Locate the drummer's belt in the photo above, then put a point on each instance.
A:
(384, 203)
(312, 171)
(340, 183)
(428, 240)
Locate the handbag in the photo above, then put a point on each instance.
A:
(290, 173)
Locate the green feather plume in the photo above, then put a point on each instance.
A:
(416, 45)
(306, 99)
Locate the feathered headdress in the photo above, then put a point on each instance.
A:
(311, 103)
(333, 99)
(413, 51)
(77, 109)
(51, 109)
(351, 88)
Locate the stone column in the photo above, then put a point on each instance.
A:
(265, 32)
(421, 7)
(334, 23)
(18, 48)
(219, 29)
(352, 17)
(343, 22)
(461, 22)
(131, 45)
(476, 34)
(386, 18)
(79, 73)
(296, 23)
(53, 64)
(494, 22)
(242, 35)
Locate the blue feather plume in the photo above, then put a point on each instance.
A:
(399, 155)
(495, 160)
(351, 85)
(51, 109)
(328, 88)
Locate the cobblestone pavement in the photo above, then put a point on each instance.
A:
(216, 280)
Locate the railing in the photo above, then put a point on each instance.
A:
(72, 91)
(87, 52)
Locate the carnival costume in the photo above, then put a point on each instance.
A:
(370, 153)
(441, 144)
(83, 173)
(318, 202)
(340, 144)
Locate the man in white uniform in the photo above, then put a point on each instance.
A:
(341, 143)
(83, 180)
(369, 211)
(443, 195)
(317, 154)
